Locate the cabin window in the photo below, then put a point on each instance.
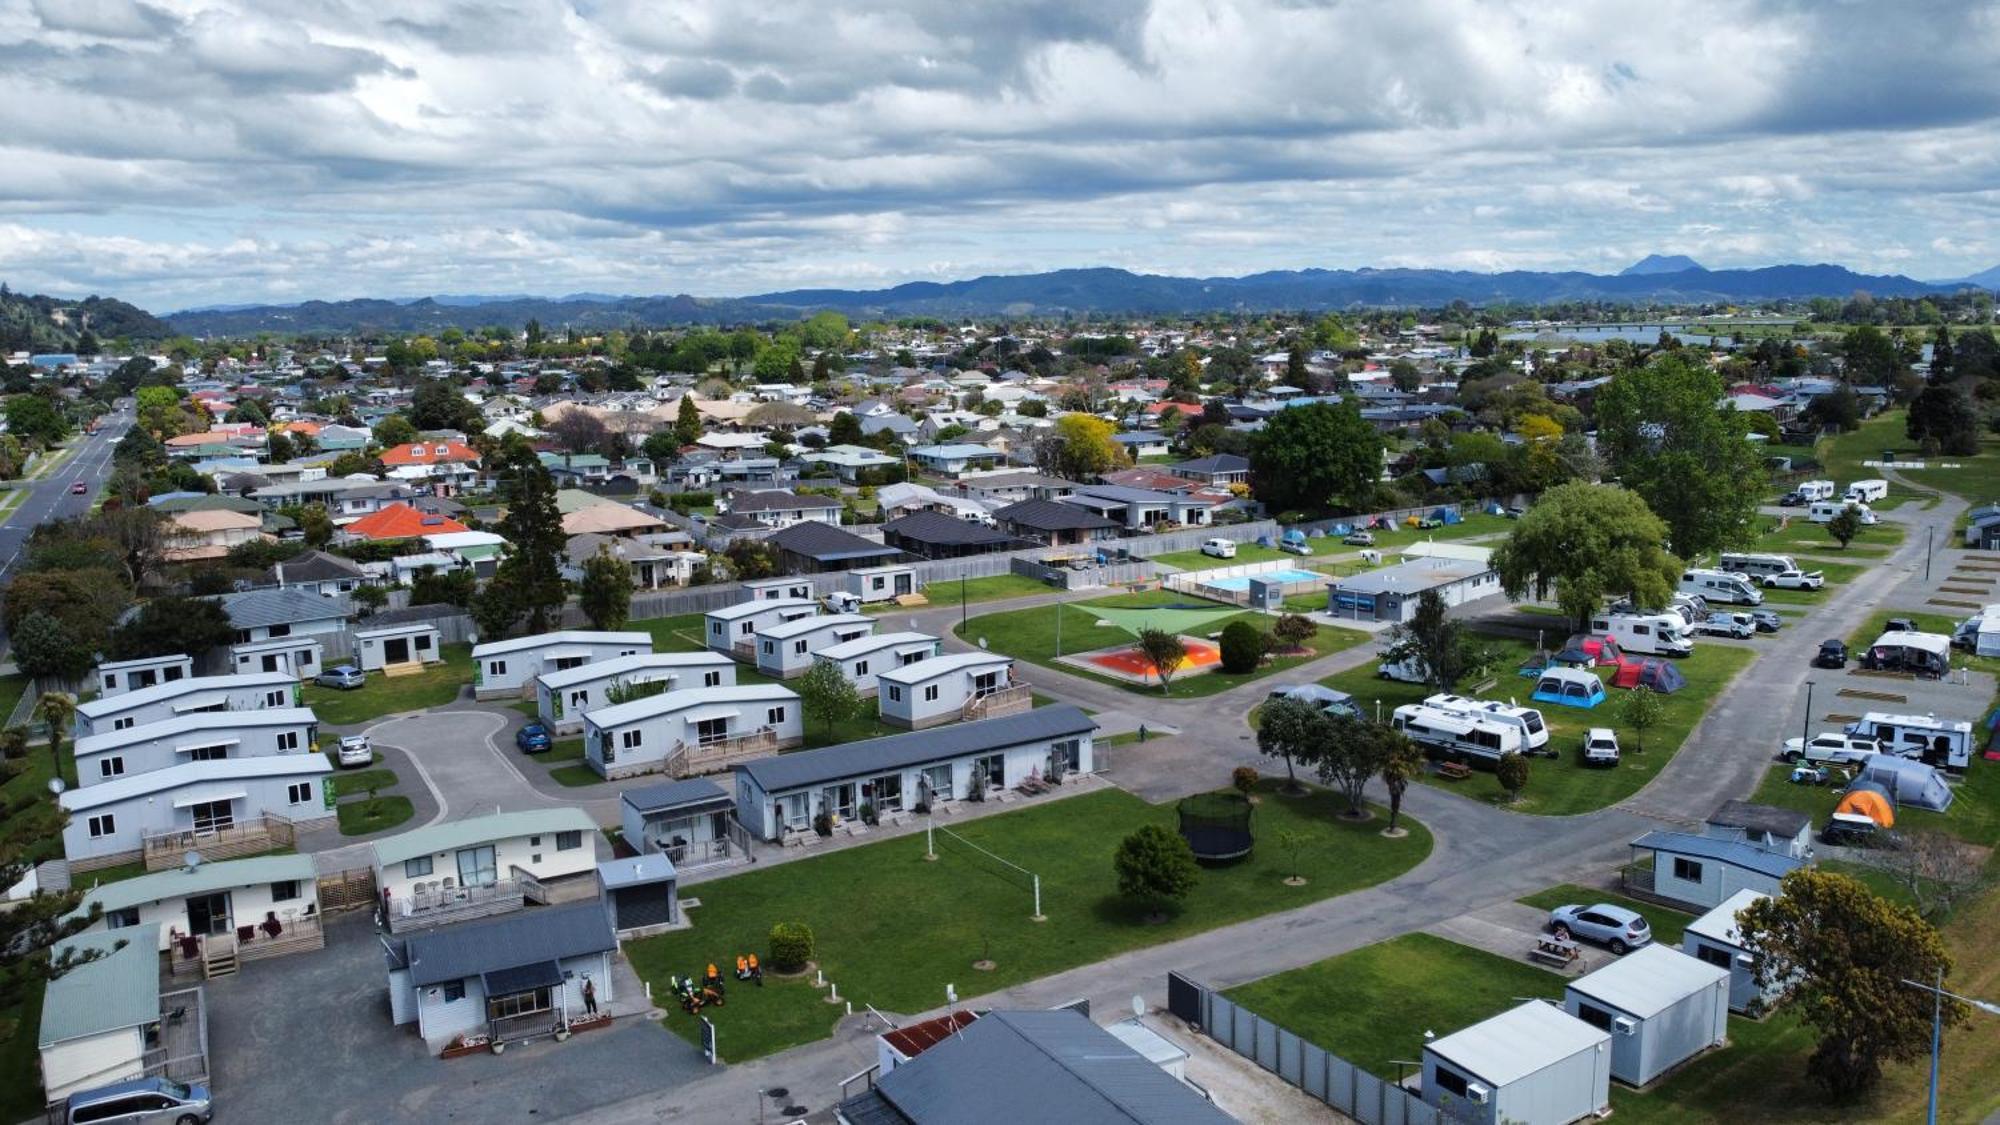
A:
(798, 648)
(110, 680)
(208, 753)
(454, 991)
(630, 739)
(122, 724)
(298, 792)
(113, 766)
(417, 868)
(895, 694)
(774, 716)
(569, 841)
(861, 667)
(1687, 869)
(1594, 1016)
(288, 740)
(271, 699)
(103, 825)
(1451, 1082)
(423, 642)
(1720, 958)
(496, 667)
(285, 891)
(120, 919)
(477, 867)
(711, 679)
(930, 693)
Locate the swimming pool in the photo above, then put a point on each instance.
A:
(1286, 577)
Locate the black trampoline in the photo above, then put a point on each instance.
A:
(1216, 826)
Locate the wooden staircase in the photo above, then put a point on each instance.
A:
(219, 956)
(407, 668)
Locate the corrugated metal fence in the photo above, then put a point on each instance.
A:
(1313, 1069)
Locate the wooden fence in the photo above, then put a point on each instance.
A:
(353, 889)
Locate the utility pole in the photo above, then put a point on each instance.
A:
(1805, 727)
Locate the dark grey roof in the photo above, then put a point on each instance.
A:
(938, 528)
(673, 795)
(1220, 463)
(410, 615)
(777, 500)
(901, 751)
(1050, 515)
(825, 542)
(316, 566)
(1010, 1067)
(1764, 818)
(253, 608)
(548, 933)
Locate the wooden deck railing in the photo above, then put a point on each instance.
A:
(254, 836)
(456, 904)
(1010, 700)
(714, 757)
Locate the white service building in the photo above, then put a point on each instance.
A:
(1661, 1006)
(1532, 1065)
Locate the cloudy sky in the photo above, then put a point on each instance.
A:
(187, 152)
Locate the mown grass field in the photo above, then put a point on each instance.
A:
(435, 686)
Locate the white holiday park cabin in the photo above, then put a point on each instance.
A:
(301, 656)
(507, 669)
(951, 688)
(732, 630)
(1717, 938)
(693, 731)
(1661, 1006)
(98, 1018)
(256, 907)
(484, 865)
(248, 692)
(882, 583)
(201, 736)
(786, 649)
(414, 642)
(778, 589)
(863, 659)
(120, 676)
(562, 697)
(215, 807)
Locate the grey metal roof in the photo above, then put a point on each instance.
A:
(822, 541)
(183, 881)
(316, 566)
(1649, 980)
(1409, 578)
(636, 871)
(1516, 1043)
(1051, 515)
(118, 990)
(1011, 1067)
(1722, 851)
(254, 608)
(547, 933)
(1219, 463)
(479, 830)
(778, 500)
(1764, 818)
(673, 795)
(900, 751)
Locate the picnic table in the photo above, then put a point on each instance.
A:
(1555, 951)
(1454, 771)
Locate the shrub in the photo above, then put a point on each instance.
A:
(1512, 773)
(791, 946)
(1244, 779)
(823, 824)
(1242, 647)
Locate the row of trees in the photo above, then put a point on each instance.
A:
(1342, 750)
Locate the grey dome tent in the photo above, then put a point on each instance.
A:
(1913, 784)
(1652, 673)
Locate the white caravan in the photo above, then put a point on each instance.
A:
(1866, 491)
(1649, 634)
(1946, 744)
(1755, 565)
(1457, 734)
(1815, 490)
(1824, 511)
(1534, 732)
(1721, 586)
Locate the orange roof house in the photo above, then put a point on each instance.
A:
(430, 453)
(400, 521)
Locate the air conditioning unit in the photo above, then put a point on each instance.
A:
(1477, 1094)
(1625, 1026)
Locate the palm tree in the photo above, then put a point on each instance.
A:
(1402, 762)
(56, 709)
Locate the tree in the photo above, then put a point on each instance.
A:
(1512, 773)
(1841, 955)
(1354, 751)
(1587, 542)
(394, 430)
(248, 410)
(1316, 458)
(1402, 761)
(1941, 356)
(752, 558)
(437, 404)
(1839, 408)
(1165, 652)
(1869, 358)
(1688, 458)
(279, 447)
(169, 625)
(55, 710)
(36, 418)
(827, 695)
(1944, 415)
(1155, 866)
(845, 429)
(578, 431)
(1643, 708)
(1242, 647)
(1296, 731)
(371, 597)
(44, 647)
(1294, 631)
(1293, 843)
(605, 591)
(315, 524)
(661, 447)
(1083, 447)
(1432, 642)
(687, 423)
(1938, 871)
(529, 580)
(431, 586)
(1844, 526)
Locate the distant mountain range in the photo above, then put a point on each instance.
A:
(1985, 279)
(1672, 279)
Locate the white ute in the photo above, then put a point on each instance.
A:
(1794, 580)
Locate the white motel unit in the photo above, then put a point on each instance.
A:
(881, 583)
(698, 730)
(1717, 938)
(120, 676)
(950, 688)
(163, 701)
(1534, 1064)
(301, 656)
(1661, 1007)
(515, 978)
(732, 630)
(562, 697)
(272, 895)
(786, 649)
(201, 736)
(507, 669)
(431, 865)
(863, 659)
(109, 823)
(778, 589)
(95, 1017)
(414, 643)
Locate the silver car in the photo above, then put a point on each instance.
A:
(1613, 927)
(140, 1101)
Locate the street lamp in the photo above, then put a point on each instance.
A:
(1805, 726)
(1938, 994)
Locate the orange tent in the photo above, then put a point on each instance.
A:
(1869, 801)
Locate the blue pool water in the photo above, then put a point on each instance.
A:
(1243, 583)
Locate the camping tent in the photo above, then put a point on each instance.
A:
(1864, 799)
(1652, 672)
(1570, 687)
(1576, 656)
(1604, 650)
(1325, 698)
(1341, 529)
(1913, 784)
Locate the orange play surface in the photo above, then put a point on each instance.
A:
(1201, 656)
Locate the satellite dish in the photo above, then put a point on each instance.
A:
(1138, 1005)
(982, 642)
(56, 786)
(950, 994)
(191, 859)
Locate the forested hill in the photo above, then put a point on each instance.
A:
(57, 324)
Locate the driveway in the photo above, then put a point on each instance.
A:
(307, 1038)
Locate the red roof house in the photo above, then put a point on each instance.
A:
(430, 453)
(400, 521)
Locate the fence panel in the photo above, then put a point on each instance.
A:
(1367, 1098)
(1421, 1112)
(1184, 999)
(1340, 1082)
(1290, 1060)
(1395, 1106)
(1313, 1071)
(1244, 1031)
(1267, 1044)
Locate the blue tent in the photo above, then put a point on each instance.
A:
(1294, 535)
(1264, 541)
(1341, 529)
(1493, 508)
(1447, 515)
(1569, 687)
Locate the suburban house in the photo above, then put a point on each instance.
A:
(269, 615)
(1661, 1007)
(950, 688)
(781, 507)
(778, 589)
(385, 646)
(429, 454)
(955, 459)
(934, 535)
(811, 548)
(507, 669)
(786, 649)
(782, 794)
(1222, 469)
(244, 909)
(207, 535)
(194, 804)
(563, 696)
(586, 513)
(102, 1019)
(318, 572)
(508, 979)
(1534, 1064)
(1008, 487)
(1787, 832)
(692, 822)
(732, 630)
(850, 461)
(247, 692)
(1391, 593)
(862, 659)
(1144, 443)
(1138, 509)
(399, 521)
(199, 736)
(694, 730)
(1703, 871)
(882, 583)
(116, 677)
(1717, 938)
(654, 562)
(484, 865)
(1054, 523)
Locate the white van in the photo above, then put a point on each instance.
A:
(1823, 511)
(1402, 671)
(1219, 548)
(1864, 491)
(1533, 730)
(1455, 734)
(1815, 490)
(1649, 634)
(1755, 565)
(1721, 586)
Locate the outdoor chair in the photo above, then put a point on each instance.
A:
(244, 934)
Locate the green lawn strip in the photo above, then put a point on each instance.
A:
(435, 686)
(359, 818)
(1560, 786)
(1667, 925)
(562, 750)
(1976, 479)
(680, 633)
(989, 589)
(529, 707)
(1974, 815)
(25, 788)
(356, 784)
(1030, 634)
(1802, 536)
(12, 688)
(865, 723)
(1929, 621)
(575, 777)
(893, 929)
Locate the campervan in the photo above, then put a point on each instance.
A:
(1945, 743)
(1721, 586)
(1652, 634)
(1457, 734)
(1755, 565)
(1815, 490)
(1824, 511)
(1404, 671)
(1865, 491)
(1534, 732)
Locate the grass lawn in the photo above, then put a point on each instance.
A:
(1835, 574)
(1667, 925)
(1930, 622)
(1842, 458)
(1974, 815)
(11, 690)
(681, 633)
(435, 686)
(992, 588)
(1030, 634)
(562, 750)
(362, 816)
(1802, 536)
(892, 929)
(1560, 786)
(40, 830)
(575, 776)
(1977, 479)
(357, 783)
(1245, 553)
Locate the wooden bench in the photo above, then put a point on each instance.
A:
(1454, 771)
(1555, 951)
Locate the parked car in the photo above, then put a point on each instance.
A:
(1901, 625)
(140, 1101)
(1831, 748)
(345, 677)
(1832, 654)
(1514, 513)
(355, 751)
(1295, 546)
(1429, 523)
(1767, 620)
(1794, 580)
(1615, 927)
(78, 489)
(1600, 747)
(1218, 548)
(1360, 539)
(533, 738)
(1791, 500)
(1737, 625)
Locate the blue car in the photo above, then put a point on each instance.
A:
(533, 738)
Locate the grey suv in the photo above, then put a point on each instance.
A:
(1614, 927)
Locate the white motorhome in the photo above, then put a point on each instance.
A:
(1946, 744)
(1457, 734)
(1721, 586)
(1649, 634)
(1824, 511)
(1815, 490)
(1528, 720)
(1865, 491)
(1755, 565)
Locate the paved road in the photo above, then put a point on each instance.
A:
(50, 498)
